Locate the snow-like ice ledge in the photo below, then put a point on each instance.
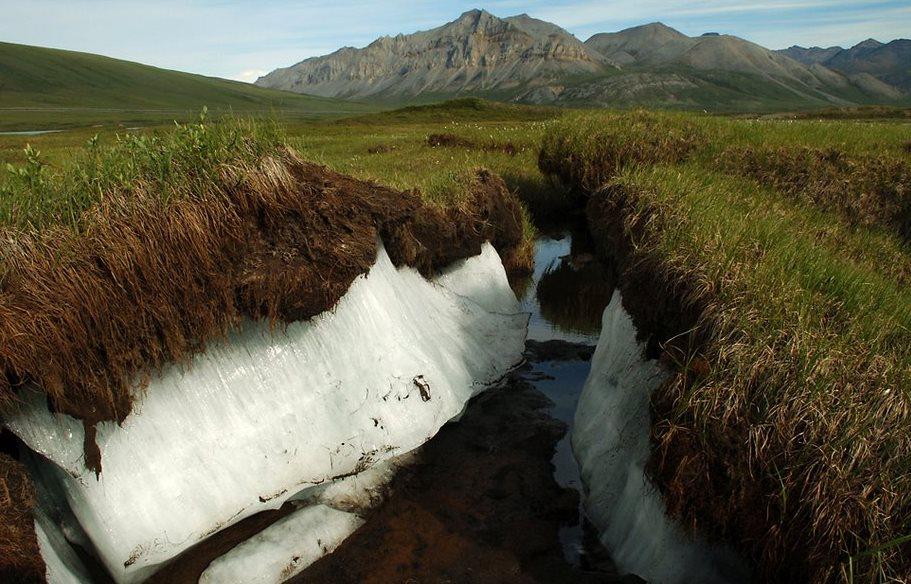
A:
(611, 444)
(264, 415)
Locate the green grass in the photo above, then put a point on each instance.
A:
(185, 160)
(787, 426)
(50, 88)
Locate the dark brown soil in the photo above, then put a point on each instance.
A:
(189, 566)
(381, 149)
(453, 141)
(20, 560)
(481, 505)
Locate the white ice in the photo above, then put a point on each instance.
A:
(283, 549)
(611, 443)
(266, 415)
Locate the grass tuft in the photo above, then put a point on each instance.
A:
(585, 152)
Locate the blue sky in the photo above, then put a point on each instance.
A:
(240, 39)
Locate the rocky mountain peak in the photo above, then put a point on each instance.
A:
(867, 44)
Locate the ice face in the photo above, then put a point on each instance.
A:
(267, 414)
(283, 549)
(611, 443)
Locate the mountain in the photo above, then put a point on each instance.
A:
(523, 59)
(887, 62)
(656, 47)
(810, 56)
(476, 53)
(60, 82)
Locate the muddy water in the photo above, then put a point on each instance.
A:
(566, 299)
(495, 497)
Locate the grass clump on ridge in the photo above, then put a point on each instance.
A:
(586, 151)
(137, 255)
(788, 425)
(186, 161)
(873, 190)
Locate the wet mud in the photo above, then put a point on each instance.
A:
(482, 504)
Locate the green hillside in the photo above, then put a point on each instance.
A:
(51, 88)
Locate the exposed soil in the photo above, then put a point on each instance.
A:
(190, 565)
(481, 505)
(20, 560)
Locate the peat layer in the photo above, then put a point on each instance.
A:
(84, 315)
(20, 560)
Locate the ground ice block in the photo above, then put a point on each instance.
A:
(611, 443)
(265, 415)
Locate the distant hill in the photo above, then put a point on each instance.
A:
(889, 62)
(49, 84)
(523, 59)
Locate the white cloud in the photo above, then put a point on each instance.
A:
(250, 75)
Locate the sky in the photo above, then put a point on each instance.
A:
(242, 39)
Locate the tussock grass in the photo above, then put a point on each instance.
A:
(787, 428)
(868, 189)
(586, 151)
(138, 255)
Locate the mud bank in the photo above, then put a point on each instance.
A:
(481, 503)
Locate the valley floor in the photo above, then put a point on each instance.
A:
(765, 263)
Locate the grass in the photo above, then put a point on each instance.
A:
(185, 161)
(50, 88)
(393, 148)
(787, 425)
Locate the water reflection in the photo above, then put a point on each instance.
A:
(566, 297)
(29, 132)
(567, 292)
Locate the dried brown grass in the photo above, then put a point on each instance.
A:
(85, 315)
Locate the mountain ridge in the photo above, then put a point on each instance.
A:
(887, 62)
(520, 58)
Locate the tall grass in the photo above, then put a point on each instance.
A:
(186, 161)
